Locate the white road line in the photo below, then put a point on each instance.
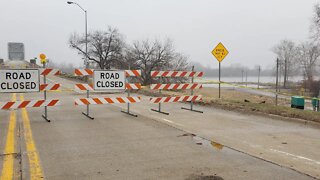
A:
(171, 122)
(167, 120)
(296, 156)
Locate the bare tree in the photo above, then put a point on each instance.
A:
(104, 47)
(308, 55)
(286, 52)
(149, 56)
(179, 62)
(315, 24)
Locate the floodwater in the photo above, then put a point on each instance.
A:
(263, 79)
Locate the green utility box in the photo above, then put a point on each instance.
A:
(315, 104)
(297, 102)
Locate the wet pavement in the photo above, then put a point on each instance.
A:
(117, 146)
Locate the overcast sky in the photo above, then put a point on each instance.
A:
(248, 28)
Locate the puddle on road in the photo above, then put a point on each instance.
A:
(212, 146)
(217, 145)
(204, 142)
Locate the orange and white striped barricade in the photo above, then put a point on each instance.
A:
(197, 74)
(49, 87)
(131, 86)
(28, 104)
(175, 99)
(188, 86)
(89, 87)
(106, 100)
(45, 87)
(28, 80)
(85, 87)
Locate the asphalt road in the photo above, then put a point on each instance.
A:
(184, 145)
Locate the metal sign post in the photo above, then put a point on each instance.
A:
(43, 61)
(192, 93)
(45, 116)
(220, 52)
(219, 79)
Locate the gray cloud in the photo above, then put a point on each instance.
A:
(248, 28)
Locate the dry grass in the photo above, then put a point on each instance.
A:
(235, 101)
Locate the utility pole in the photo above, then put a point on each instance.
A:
(86, 60)
(246, 78)
(242, 75)
(277, 83)
(259, 70)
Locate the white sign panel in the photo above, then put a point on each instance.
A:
(19, 80)
(109, 80)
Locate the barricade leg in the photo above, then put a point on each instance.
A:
(159, 107)
(191, 103)
(45, 116)
(87, 114)
(128, 108)
(159, 110)
(191, 108)
(128, 111)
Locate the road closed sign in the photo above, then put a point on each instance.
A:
(108, 80)
(19, 80)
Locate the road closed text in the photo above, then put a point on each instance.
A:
(109, 80)
(19, 81)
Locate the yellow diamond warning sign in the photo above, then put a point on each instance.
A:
(220, 52)
(43, 59)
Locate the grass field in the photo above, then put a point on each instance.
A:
(244, 102)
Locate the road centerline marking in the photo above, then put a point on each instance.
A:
(33, 155)
(8, 161)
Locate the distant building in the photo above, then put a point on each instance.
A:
(16, 58)
(16, 51)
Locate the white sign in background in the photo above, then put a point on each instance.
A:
(19, 80)
(109, 80)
